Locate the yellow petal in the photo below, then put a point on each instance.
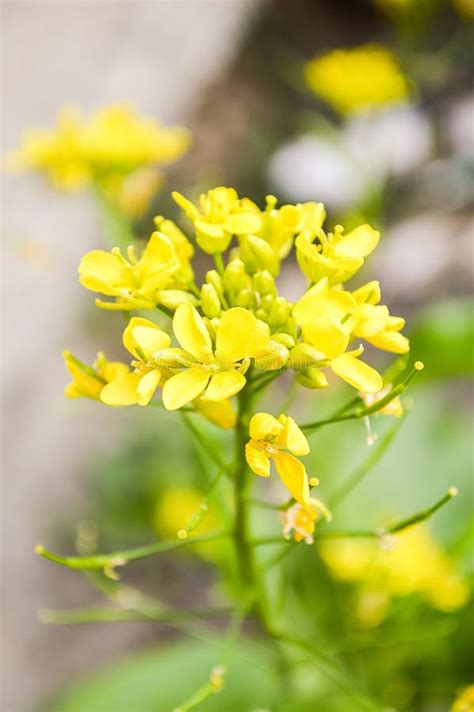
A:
(128, 336)
(390, 341)
(243, 223)
(327, 335)
(147, 386)
(184, 387)
(224, 385)
(264, 426)
(357, 373)
(294, 440)
(122, 391)
(191, 332)
(293, 475)
(357, 243)
(257, 460)
(102, 272)
(158, 254)
(221, 413)
(239, 335)
(368, 294)
(150, 339)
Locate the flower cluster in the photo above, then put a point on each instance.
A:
(357, 79)
(236, 328)
(114, 149)
(410, 563)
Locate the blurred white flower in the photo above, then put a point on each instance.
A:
(317, 168)
(341, 170)
(459, 126)
(391, 141)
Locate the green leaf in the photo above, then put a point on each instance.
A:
(159, 679)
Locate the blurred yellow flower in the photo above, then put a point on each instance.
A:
(110, 149)
(221, 412)
(465, 700)
(410, 562)
(137, 283)
(89, 381)
(269, 437)
(354, 79)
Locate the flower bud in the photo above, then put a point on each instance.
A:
(213, 277)
(264, 283)
(210, 303)
(261, 314)
(284, 339)
(273, 358)
(172, 298)
(279, 312)
(235, 276)
(258, 255)
(244, 298)
(266, 303)
(173, 358)
(289, 327)
(311, 377)
(303, 355)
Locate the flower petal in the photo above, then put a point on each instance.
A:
(147, 386)
(184, 387)
(390, 341)
(293, 475)
(257, 460)
(122, 391)
(295, 441)
(191, 332)
(239, 335)
(357, 373)
(150, 339)
(357, 243)
(327, 335)
(128, 337)
(264, 426)
(243, 223)
(224, 385)
(102, 272)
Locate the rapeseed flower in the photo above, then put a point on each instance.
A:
(160, 276)
(301, 519)
(352, 80)
(269, 438)
(89, 381)
(103, 150)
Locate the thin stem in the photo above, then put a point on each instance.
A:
(375, 455)
(219, 262)
(79, 616)
(203, 509)
(358, 413)
(205, 444)
(120, 558)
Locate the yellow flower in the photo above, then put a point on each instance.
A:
(221, 413)
(280, 225)
(465, 701)
(327, 317)
(135, 283)
(335, 255)
(220, 215)
(302, 518)
(89, 381)
(147, 343)
(269, 437)
(113, 143)
(134, 192)
(375, 324)
(354, 79)
(410, 563)
(216, 373)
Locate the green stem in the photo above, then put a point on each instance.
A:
(242, 485)
(120, 558)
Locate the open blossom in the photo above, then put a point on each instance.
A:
(89, 381)
(301, 519)
(269, 438)
(135, 283)
(357, 79)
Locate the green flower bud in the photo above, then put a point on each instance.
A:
(311, 377)
(264, 283)
(284, 339)
(213, 277)
(210, 303)
(172, 298)
(279, 312)
(211, 326)
(244, 298)
(235, 277)
(258, 255)
(273, 358)
(303, 355)
(267, 302)
(261, 314)
(289, 327)
(173, 358)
